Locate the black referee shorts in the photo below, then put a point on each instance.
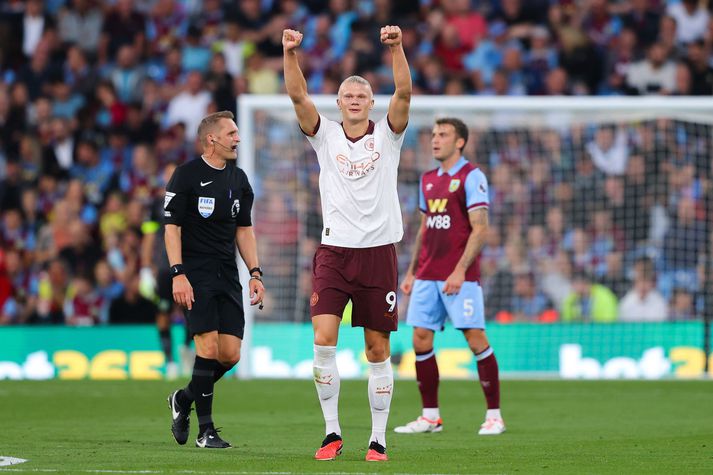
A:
(218, 295)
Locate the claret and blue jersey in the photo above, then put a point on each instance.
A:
(446, 198)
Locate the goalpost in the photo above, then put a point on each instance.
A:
(584, 191)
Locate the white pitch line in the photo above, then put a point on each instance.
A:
(6, 461)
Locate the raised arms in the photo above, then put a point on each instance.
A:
(295, 83)
(401, 100)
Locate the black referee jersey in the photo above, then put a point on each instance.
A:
(208, 204)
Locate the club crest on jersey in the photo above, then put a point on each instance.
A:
(453, 186)
(369, 144)
(235, 209)
(206, 206)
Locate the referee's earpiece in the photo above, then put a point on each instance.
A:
(221, 145)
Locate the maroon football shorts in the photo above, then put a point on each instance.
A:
(367, 276)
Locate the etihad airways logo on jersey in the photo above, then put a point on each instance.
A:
(437, 205)
(356, 169)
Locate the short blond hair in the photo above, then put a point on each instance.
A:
(209, 123)
(358, 80)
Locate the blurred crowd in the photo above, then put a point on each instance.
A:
(593, 222)
(100, 100)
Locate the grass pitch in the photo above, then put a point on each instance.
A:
(574, 427)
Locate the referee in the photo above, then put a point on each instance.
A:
(207, 212)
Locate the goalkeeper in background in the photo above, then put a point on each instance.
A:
(443, 277)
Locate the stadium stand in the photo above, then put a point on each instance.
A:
(97, 99)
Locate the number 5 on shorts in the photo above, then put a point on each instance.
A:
(468, 308)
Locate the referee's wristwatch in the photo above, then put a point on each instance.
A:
(255, 270)
(177, 270)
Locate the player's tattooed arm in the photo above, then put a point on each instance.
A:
(479, 227)
(407, 283)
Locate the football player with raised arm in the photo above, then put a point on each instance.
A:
(358, 160)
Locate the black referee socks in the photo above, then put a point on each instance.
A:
(220, 370)
(201, 388)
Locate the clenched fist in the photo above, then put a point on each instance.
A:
(291, 39)
(391, 35)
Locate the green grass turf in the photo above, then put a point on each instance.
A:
(553, 427)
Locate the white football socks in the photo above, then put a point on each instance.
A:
(326, 379)
(381, 389)
(431, 413)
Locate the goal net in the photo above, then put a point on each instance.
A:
(596, 262)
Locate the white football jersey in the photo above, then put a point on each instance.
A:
(357, 183)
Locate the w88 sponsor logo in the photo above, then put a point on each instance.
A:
(442, 221)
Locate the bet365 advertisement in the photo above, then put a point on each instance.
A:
(571, 351)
